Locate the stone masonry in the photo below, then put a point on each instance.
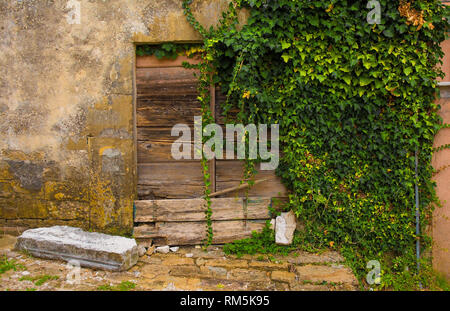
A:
(189, 268)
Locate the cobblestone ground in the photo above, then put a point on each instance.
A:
(188, 269)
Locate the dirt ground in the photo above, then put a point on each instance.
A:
(190, 268)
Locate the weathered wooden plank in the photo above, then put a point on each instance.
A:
(172, 180)
(191, 233)
(162, 134)
(156, 82)
(152, 61)
(166, 96)
(157, 75)
(169, 190)
(151, 84)
(154, 90)
(178, 180)
(155, 151)
(167, 113)
(158, 151)
(155, 144)
(230, 173)
(237, 188)
(194, 209)
(179, 172)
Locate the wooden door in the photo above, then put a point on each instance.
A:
(169, 210)
(166, 96)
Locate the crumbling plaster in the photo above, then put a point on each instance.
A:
(67, 151)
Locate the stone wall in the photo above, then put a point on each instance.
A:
(67, 151)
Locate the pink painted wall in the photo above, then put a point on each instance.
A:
(441, 159)
(446, 65)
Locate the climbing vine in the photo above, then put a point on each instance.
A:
(354, 101)
(204, 73)
(207, 77)
(169, 50)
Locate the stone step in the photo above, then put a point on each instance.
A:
(338, 274)
(88, 249)
(301, 270)
(301, 275)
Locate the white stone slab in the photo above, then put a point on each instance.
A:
(89, 249)
(285, 225)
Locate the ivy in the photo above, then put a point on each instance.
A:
(354, 102)
(204, 74)
(205, 81)
(168, 50)
(264, 243)
(440, 148)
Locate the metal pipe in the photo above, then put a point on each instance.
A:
(417, 214)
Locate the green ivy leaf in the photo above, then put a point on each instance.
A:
(286, 57)
(285, 45)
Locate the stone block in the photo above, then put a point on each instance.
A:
(224, 263)
(28, 174)
(303, 258)
(285, 225)
(6, 190)
(4, 171)
(217, 273)
(177, 261)
(89, 249)
(269, 266)
(30, 208)
(283, 276)
(74, 190)
(68, 210)
(185, 271)
(8, 209)
(248, 275)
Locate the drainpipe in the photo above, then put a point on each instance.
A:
(417, 214)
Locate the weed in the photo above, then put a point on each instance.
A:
(122, 287)
(6, 265)
(39, 280)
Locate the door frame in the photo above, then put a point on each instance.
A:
(135, 143)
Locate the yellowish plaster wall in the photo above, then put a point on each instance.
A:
(67, 152)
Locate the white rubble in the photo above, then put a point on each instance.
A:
(163, 249)
(285, 225)
(141, 250)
